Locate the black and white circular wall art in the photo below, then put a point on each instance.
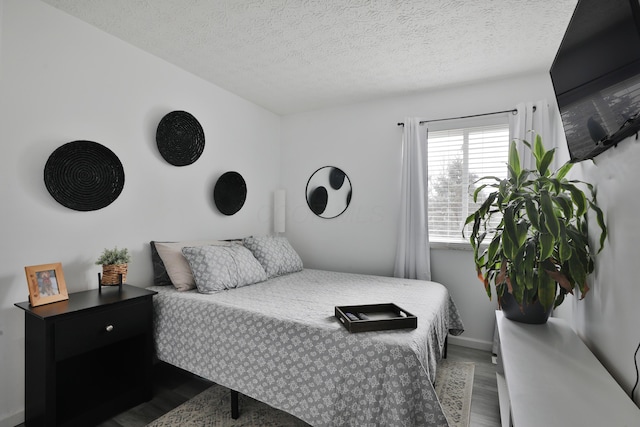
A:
(230, 193)
(84, 175)
(328, 192)
(180, 138)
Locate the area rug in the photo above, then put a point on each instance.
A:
(454, 384)
(211, 408)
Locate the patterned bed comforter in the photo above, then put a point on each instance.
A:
(279, 342)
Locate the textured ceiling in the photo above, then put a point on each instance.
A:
(297, 55)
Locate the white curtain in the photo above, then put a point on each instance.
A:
(412, 253)
(532, 118)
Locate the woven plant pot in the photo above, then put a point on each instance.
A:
(111, 274)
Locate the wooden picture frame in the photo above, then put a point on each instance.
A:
(46, 284)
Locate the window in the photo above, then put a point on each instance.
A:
(458, 158)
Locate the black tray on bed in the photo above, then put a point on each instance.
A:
(377, 317)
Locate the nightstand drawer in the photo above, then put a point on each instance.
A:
(96, 329)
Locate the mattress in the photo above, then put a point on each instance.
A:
(279, 342)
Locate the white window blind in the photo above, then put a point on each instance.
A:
(457, 158)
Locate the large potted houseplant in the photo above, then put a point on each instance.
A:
(114, 264)
(530, 235)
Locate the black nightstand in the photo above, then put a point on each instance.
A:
(88, 358)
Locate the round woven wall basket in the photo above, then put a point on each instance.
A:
(230, 193)
(111, 274)
(84, 175)
(180, 138)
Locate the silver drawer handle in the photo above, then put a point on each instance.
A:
(109, 328)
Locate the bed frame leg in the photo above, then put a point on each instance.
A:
(235, 413)
(446, 345)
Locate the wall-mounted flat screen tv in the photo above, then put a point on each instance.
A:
(596, 76)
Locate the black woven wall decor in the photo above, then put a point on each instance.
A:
(84, 175)
(180, 138)
(230, 193)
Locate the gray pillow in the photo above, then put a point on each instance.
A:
(175, 263)
(275, 253)
(216, 268)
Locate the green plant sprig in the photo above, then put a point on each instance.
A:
(114, 256)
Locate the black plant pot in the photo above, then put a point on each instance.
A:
(529, 313)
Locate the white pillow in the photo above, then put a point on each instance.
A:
(176, 264)
(216, 268)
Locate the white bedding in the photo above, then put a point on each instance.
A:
(279, 342)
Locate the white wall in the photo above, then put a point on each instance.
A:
(364, 141)
(607, 319)
(63, 80)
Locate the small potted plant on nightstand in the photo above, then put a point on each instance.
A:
(114, 264)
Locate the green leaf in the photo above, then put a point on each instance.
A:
(517, 289)
(476, 226)
(562, 172)
(510, 225)
(538, 150)
(564, 203)
(532, 213)
(578, 197)
(503, 189)
(481, 238)
(484, 279)
(476, 217)
(507, 246)
(564, 249)
(603, 227)
(521, 231)
(471, 218)
(543, 166)
(486, 205)
(546, 289)
(575, 234)
(514, 159)
(577, 270)
(519, 260)
(522, 177)
(529, 259)
(478, 190)
(546, 245)
(493, 247)
(551, 220)
(554, 184)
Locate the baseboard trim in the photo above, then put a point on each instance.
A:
(471, 343)
(13, 419)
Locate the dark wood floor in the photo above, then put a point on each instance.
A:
(173, 386)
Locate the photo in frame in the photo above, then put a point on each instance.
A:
(46, 284)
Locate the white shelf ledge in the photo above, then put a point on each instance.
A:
(553, 379)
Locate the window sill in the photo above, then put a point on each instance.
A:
(458, 246)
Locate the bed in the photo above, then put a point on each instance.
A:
(278, 341)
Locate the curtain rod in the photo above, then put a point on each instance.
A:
(513, 111)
